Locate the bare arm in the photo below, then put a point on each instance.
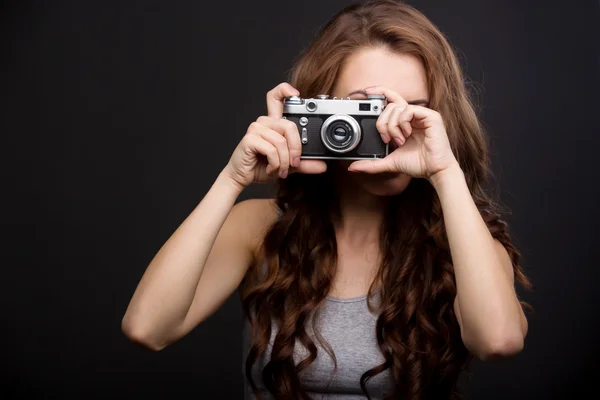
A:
(179, 282)
(491, 318)
(206, 258)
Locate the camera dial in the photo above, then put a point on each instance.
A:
(293, 100)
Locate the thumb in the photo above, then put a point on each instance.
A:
(310, 167)
(372, 166)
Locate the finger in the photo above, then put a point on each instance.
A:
(372, 166)
(391, 95)
(261, 146)
(275, 99)
(418, 117)
(421, 117)
(397, 100)
(382, 122)
(393, 125)
(404, 122)
(289, 130)
(310, 167)
(277, 140)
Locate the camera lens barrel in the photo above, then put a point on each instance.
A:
(340, 133)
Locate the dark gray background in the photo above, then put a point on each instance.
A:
(118, 115)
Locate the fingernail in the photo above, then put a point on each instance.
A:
(369, 88)
(283, 174)
(296, 162)
(296, 92)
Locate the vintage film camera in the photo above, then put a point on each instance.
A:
(337, 128)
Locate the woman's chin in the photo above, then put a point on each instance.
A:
(385, 184)
(382, 184)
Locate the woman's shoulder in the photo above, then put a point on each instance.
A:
(265, 210)
(255, 217)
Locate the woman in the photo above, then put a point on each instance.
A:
(366, 278)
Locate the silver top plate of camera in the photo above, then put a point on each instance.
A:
(373, 105)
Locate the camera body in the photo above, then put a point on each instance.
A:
(337, 128)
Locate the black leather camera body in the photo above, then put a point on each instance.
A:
(337, 128)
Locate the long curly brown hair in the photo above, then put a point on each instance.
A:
(417, 330)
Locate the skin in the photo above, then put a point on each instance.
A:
(206, 258)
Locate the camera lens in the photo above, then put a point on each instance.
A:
(340, 133)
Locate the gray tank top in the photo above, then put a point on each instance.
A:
(349, 328)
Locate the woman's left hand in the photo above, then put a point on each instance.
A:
(423, 145)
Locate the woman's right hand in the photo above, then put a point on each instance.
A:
(271, 147)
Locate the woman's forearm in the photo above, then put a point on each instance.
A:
(489, 308)
(167, 288)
